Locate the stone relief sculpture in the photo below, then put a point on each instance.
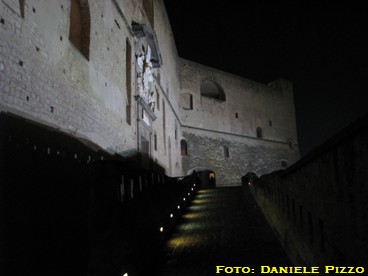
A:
(152, 101)
(145, 78)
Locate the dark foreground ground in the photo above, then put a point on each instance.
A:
(221, 227)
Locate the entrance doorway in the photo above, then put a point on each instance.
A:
(205, 178)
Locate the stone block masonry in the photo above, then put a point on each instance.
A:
(234, 126)
(245, 154)
(43, 77)
(93, 92)
(318, 207)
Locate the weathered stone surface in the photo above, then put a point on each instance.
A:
(206, 149)
(45, 78)
(231, 120)
(319, 206)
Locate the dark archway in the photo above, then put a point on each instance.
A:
(205, 178)
(249, 178)
(183, 147)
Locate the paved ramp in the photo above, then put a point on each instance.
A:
(222, 227)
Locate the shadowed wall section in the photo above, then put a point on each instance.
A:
(72, 209)
(318, 207)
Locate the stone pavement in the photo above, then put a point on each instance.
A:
(221, 227)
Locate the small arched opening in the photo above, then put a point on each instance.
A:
(259, 132)
(183, 147)
(213, 90)
(249, 178)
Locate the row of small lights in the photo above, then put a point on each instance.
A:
(172, 215)
(178, 207)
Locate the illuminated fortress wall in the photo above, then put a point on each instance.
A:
(234, 125)
(73, 65)
(108, 73)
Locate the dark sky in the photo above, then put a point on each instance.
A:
(321, 48)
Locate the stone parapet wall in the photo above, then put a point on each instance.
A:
(318, 207)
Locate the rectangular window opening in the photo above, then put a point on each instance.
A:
(226, 152)
(128, 77)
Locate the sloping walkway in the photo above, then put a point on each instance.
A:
(222, 227)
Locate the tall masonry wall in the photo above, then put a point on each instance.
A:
(45, 78)
(250, 127)
(121, 87)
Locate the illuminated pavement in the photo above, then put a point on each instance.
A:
(222, 226)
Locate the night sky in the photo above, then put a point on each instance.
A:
(321, 48)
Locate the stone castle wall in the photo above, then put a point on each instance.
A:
(94, 96)
(206, 149)
(212, 124)
(45, 78)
